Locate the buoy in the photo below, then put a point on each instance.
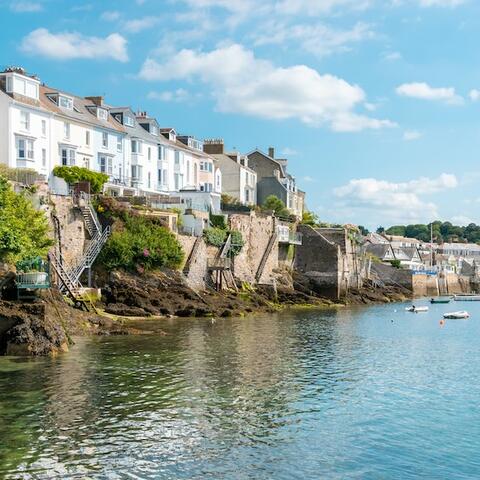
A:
(442, 323)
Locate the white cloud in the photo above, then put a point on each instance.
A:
(423, 91)
(393, 202)
(442, 3)
(26, 7)
(288, 152)
(308, 179)
(73, 45)
(462, 220)
(140, 24)
(110, 16)
(393, 56)
(474, 95)
(318, 39)
(178, 95)
(410, 135)
(242, 83)
(318, 7)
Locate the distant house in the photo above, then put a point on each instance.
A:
(273, 179)
(463, 250)
(383, 251)
(238, 179)
(398, 241)
(409, 257)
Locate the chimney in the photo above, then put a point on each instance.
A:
(213, 146)
(271, 152)
(98, 101)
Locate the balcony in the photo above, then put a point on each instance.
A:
(286, 236)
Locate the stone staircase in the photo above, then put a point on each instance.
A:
(69, 275)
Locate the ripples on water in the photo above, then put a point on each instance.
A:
(366, 393)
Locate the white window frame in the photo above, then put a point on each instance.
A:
(119, 143)
(102, 114)
(65, 102)
(69, 158)
(44, 157)
(128, 120)
(87, 138)
(105, 164)
(25, 120)
(27, 149)
(44, 128)
(105, 139)
(66, 130)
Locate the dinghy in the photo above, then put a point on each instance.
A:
(457, 315)
(415, 309)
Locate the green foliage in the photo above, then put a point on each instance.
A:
(364, 231)
(143, 245)
(218, 221)
(78, 174)
(217, 237)
(23, 230)
(310, 218)
(272, 202)
(381, 230)
(395, 263)
(442, 231)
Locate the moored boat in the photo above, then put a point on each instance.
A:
(440, 300)
(415, 309)
(457, 315)
(472, 297)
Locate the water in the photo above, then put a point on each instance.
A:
(365, 393)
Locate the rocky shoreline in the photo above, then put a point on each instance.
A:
(46, 326)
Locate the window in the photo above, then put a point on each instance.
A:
(128, 120)
(247, 195)
(188, 172)
(162, 177)
(66, 130)
(65, 102)
(67, 156)
(44, 128)
(86, 162)
(106, 164)
(137, 173)
(154, 130)
(25, 121)
(136, 146)
(87, 138)
(202, 166)
(178, 157)
(149, 153)
(9, 84)
(24, 149)
(102, 114)
(44, 157)
(210, 167)
(161, 152)
(149, 180)
(105, 139)
(119, 143)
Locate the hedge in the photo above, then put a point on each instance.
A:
(79, 174)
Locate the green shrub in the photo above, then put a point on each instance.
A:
(396, 263)
(142, 244)
(272, 202)
(24, 231)
(78, 174)
(218, 221)
(215, 236)
(237, 242)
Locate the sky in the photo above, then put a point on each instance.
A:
(376, 103)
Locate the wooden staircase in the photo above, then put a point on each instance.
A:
(266, 254)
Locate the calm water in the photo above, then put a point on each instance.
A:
(367, 393)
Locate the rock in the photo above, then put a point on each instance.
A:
(123, 310)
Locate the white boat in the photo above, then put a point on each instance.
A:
(457, 315)
(467, 298)
(415, 309)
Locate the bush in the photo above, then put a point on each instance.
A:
(24, 231)
(215, 236)
(141, 244)
(395, 263)
(78, 174)
(272, 202)
(218, 221)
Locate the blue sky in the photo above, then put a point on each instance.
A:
(375, 102)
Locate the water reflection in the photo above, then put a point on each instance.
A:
(327, 394)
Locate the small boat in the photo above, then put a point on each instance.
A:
(415, 309)
(473, 297)
(440, 300)
(457, 315)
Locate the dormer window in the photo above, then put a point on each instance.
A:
(65, 102)
(154, 130)
(102, 114)
(128, 120)
(22, 85)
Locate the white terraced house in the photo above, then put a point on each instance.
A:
(42, 127)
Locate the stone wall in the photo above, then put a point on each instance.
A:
(256, 231)
(392, 276)
(425, 285)
(452, 283)
(319, 259)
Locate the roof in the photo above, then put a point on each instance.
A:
(280, 166)
(406, 253)
(460, 246)
(399, 238)
(223, 157)
(80, 112)
(378, 249)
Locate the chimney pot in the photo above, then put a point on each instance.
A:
(271, 152)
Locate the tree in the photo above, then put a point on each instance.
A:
(310, 218)
(380, 230)
(272, 202)
(24, 231)
(364, 231)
